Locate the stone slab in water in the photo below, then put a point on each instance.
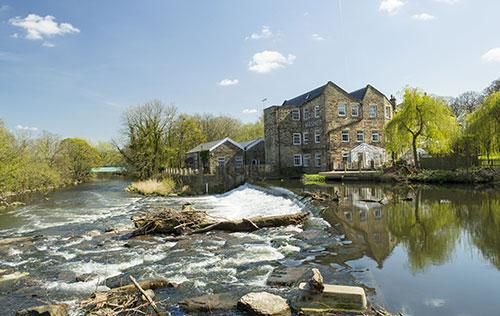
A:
(264, 304)
(333, 298)
(286, 276)
(209, 302)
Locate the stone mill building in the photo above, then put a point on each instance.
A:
(317, 130)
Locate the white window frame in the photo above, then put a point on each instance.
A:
(342, 136)
(296, 114)
(362, 133)
(305, 138)
(299, 135)
(355, 106)
(344, 106)
(306, 114)
(317, 111)
(373, 114)
(388, 112)
(317, 136)
(299, 157)
(377, 133)
(219, 160)
(306, 160)
(317, 159)
(238, 162)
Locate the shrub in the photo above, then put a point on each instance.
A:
(306, 178)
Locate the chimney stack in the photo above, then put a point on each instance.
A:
(393, 102)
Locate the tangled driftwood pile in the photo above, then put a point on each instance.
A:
(190, 221)
(134, 299)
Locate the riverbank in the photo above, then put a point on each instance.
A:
(402, 175)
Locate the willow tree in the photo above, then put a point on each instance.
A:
(421, 121)
(484, 125)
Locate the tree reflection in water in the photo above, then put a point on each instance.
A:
(429, 227)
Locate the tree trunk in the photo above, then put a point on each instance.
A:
(415, 153)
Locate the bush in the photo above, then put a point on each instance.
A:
(315, 178)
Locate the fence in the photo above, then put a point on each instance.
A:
(181, 171)
(449, 162)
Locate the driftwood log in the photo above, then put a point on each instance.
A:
(173, 222)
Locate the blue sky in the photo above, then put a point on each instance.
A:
(72, 67)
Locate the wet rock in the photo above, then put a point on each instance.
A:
(16, 240)
(13, 276)
(206, 303)
(287, 276)
(93, 233)
(85, 277)
(264, 304)
(315, 282)
(68, 276)
(46, 310)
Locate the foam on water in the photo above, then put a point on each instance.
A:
(247, 201)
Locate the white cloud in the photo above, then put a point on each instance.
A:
(39, 28)
(391, 6)
(15, 35)
(48, 44)
(249, 111)
(435, 302)
(267, 61)
(228, 82)
(4, 7)
(26, 128)
(493, 55)
(317, 37)
(265, 32)
(423, 17)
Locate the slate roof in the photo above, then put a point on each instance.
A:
(359, 94)
(306, 97)
(250, 143)
(214, 144)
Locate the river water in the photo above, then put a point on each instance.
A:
(436, 254)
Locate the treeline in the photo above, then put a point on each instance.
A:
(156, 136)
(468, 124)
(36, 163)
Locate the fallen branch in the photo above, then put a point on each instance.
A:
(173, 222)
(153, 304)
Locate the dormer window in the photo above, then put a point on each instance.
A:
(296, 114)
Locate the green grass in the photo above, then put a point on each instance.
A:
(313, 178)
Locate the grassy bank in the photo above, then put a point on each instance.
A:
(164, 187)
(313, 179)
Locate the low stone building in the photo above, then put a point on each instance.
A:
(254, 152)
(224, 155)
(317, 130)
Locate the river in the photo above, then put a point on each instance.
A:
(436, 254)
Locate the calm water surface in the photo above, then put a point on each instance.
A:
(438, 254)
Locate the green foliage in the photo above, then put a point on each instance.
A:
(483, 126)
(109, 156)
(75, 159)
(421, 121)
(186, 134)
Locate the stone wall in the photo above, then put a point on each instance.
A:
(229, 151)
(257, 153)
